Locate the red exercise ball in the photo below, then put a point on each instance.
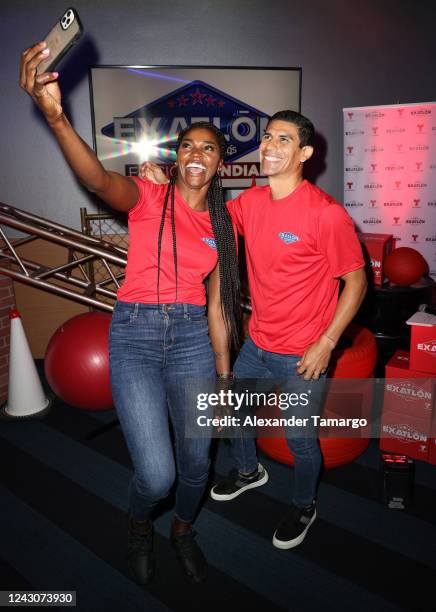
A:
(404, 266)
(77, 362)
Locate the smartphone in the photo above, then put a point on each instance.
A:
(61, 38)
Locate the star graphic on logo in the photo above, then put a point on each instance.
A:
(183, 100)
(221, 103)
(171, 103)
(197, 97)
(211, 101)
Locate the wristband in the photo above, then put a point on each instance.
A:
(225, 376)
(331, 339)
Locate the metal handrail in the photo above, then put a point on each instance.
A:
(81, 249)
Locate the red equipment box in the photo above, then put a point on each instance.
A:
(405, 435)
(423, 342)
(376, 247)
(432, 449)
(407, 409)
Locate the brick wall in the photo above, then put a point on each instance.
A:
(7, 301)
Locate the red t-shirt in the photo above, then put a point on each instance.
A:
(196, 250)
(297, 247)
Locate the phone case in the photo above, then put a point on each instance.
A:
(61, 38)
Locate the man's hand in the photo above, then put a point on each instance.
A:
(153, 172)
(316, 359)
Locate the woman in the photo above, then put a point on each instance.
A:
(179, 234)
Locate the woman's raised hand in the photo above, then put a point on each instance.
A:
(43, 88)
(120, 192)
(153, 172)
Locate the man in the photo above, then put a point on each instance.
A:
(299, 243)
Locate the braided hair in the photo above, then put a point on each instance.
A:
(224, 239)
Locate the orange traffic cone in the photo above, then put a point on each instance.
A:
(26, 397)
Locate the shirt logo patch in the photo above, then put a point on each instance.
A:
(210, 242)
(288, 237)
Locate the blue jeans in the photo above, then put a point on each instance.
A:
(256, 363)
(154, 349)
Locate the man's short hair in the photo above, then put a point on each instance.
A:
(306, 131)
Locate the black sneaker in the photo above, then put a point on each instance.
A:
(293, 527)
(140, 555)
(235, 484)
(190, 556)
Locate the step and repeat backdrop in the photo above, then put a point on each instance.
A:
(390, 173)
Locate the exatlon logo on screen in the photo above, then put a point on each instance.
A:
(241, 124)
